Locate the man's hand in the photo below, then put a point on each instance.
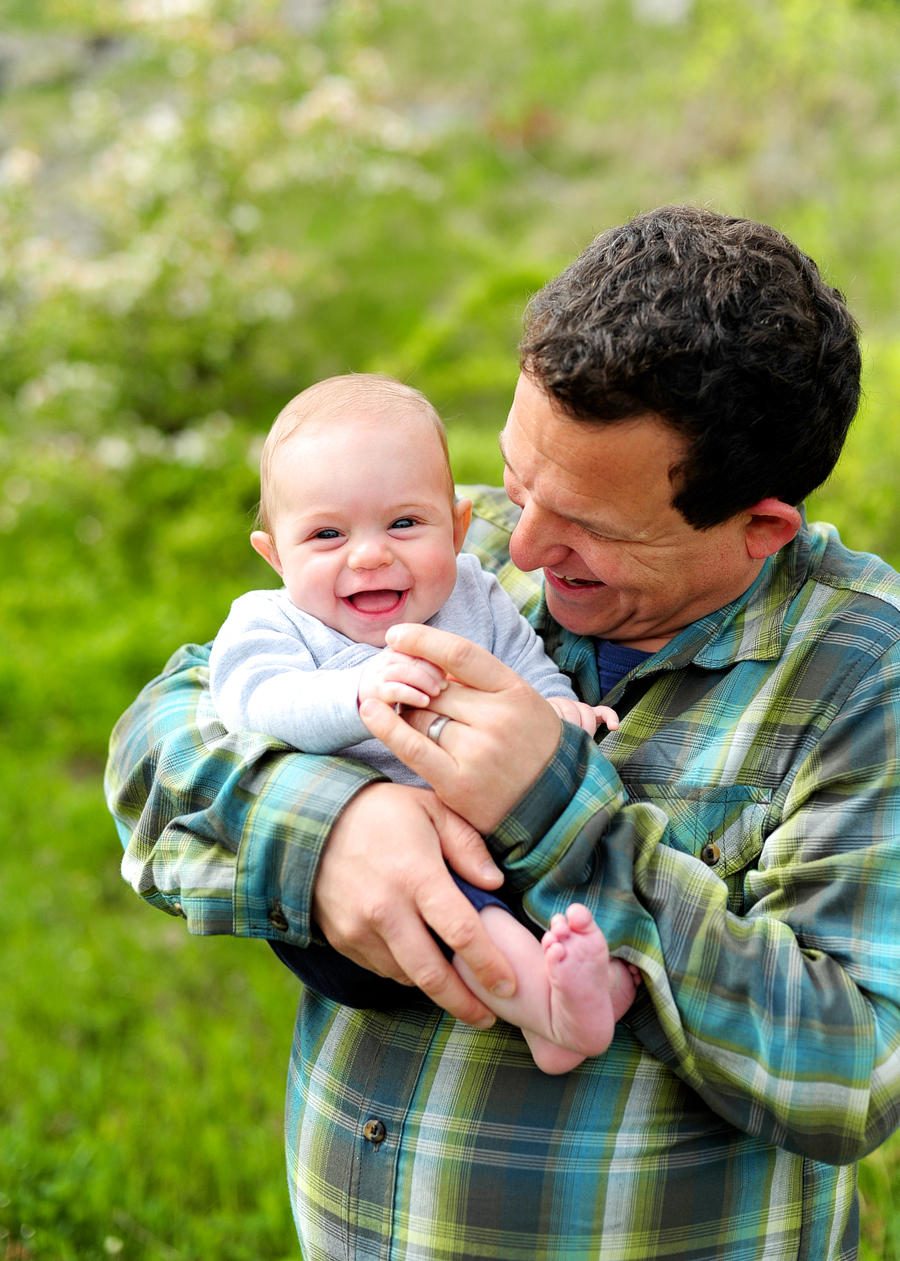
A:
(502, 735)
(398, 679)
(382, 878)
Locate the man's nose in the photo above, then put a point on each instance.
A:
(538, 541)
(370, 554)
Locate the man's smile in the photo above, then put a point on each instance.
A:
(565, 583)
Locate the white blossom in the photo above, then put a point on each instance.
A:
(18, 166)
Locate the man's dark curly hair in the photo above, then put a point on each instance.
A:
(723, 329)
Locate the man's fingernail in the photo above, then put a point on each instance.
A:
(503, 989)
(485, 1023)
(490, 869)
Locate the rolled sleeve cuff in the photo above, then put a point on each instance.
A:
(557, 824)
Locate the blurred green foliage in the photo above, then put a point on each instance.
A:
(205, 206)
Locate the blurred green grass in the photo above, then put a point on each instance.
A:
(161, 295)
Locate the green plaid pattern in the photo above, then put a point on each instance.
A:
(762, 1057)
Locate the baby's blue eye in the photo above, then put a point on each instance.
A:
(328, 534)
(402, 523)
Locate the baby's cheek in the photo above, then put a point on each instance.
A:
(436, 581)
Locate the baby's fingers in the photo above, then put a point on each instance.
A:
(607, 716)
(575, 712)
(414, 671)
(430, 677)
(568, 710)
(396, 693)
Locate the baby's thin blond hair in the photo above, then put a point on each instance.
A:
(378, 395)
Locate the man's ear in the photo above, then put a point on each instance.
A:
(262, 543)
(771, 525)
(462, 517)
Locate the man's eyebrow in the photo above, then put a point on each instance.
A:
(592, 527)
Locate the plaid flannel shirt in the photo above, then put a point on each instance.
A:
(738, 838)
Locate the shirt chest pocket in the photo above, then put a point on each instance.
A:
(724, 827)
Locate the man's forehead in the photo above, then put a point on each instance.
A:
(581, 446)
(611, 478)
(537, 420)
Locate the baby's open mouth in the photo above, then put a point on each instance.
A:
(376, 601)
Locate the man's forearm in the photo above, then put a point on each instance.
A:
(224, 829)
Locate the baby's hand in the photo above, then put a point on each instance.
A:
(583, 715)
(398, 679)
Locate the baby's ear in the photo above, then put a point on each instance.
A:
(462, 518)
(262, 543)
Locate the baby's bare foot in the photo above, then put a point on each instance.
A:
(577, 957)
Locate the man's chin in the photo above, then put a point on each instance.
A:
(605, 619)
(584, 613)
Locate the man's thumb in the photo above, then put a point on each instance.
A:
(465, 850)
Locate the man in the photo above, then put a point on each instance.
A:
(685, 384)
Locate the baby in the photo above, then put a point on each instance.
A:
(360, 521)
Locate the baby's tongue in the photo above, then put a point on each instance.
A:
(376, 601)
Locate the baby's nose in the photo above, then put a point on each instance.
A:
(370, 554)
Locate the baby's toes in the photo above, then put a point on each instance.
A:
(559, 926)
(579, 918)
(554, 951)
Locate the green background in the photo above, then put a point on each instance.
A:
(203, 208)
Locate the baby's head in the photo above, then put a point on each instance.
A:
(357, 512)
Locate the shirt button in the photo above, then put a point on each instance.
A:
(374, 1131)
(710, 854)
(277, 919)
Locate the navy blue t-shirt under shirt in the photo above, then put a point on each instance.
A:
(614, 661)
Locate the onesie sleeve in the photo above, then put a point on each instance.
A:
(264, 677)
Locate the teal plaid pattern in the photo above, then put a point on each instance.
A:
(762, 1057)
